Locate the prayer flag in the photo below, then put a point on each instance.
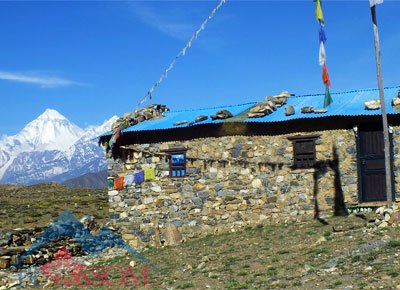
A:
(129, 180)
(318, 12)
(328, 99)
(119, 183)
(322, 54)
(374, 2)
(110, 183)
(139, 177)
(322, 37)
(325, 76)
(149, 174)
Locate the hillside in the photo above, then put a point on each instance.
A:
(38, 205)
(88, 180)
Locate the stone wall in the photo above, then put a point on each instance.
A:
(232, 181)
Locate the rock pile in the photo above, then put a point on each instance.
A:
(14, 243)
(387, 216)
(269, 106)
(150, 112)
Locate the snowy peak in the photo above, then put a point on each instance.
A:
(50, 114)
(51, 148)
(50, 131)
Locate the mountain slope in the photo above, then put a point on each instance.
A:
(88, 180)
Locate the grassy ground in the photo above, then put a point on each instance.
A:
(306, 255)
(38, 205)
(345, 253)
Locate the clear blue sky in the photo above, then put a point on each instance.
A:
(91, 60)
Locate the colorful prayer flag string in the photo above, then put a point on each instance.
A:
(195, 35)
(322, 53)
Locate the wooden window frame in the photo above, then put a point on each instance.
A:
(304, 159)
(172, 168)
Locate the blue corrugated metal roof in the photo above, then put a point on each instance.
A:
(349, 103)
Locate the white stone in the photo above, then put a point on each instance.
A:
(380, 210)
(156, 188)
(148, 200)
(388, 210)
(123, 215)
(280, 179)
(367, 269)
(383, 225)
(256, 183)
(213, 170)
(225, 155)
(245, 171)
(117, 198)
(387, 217)
(113, 192)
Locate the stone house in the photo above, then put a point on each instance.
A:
(206, 175)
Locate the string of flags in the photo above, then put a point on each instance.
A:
(322, 53)
(195, 35)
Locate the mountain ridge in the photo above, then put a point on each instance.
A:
(51, 148)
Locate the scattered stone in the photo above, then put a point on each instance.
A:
(156, 188)
(222, 114)
(5, 262)
(320, 111)
(256, 183)
(396, 102)
(183, 122)
(201, 265)
(201, 118)
(261, 110)
(289, 110)
(394, 218)
(148, 200)
(306, 110)
(380, 210)
(372, 105)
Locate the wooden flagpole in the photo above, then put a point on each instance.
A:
(388, 170)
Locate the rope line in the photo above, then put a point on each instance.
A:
(195, 35)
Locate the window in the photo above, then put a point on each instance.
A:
(177, 162)
(304, 150)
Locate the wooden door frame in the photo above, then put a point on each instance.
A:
(372, 127)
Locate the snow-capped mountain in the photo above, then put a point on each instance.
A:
(51, 148)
